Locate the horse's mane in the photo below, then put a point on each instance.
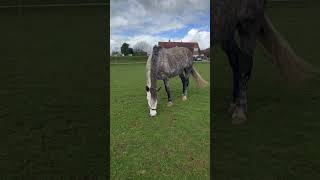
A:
(153, 72)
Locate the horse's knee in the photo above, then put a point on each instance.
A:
(245, 66)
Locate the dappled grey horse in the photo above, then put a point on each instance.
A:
(247, 17)
(163, 64)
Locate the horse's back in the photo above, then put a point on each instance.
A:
(179, 57)
(174, 61)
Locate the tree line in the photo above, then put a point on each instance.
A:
(140, 49)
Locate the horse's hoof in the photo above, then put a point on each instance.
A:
(184, 98)
(169, 104)
(238, 116)
(232, 107)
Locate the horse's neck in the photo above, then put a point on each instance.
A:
(151, 73)
(148, 68)
(153, 78)
(163, 59)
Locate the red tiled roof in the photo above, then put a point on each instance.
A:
(206, 52)
(189, 45)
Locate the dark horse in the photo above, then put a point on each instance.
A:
(163, 64)
(248, 19)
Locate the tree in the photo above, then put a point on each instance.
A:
(130, 51)
(125, 49)
(142, 46)
(115, 53)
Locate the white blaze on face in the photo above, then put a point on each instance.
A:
(152, 103)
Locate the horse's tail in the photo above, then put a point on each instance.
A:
(197, 77)
(292, 67)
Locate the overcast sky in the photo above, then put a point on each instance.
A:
(151, 21)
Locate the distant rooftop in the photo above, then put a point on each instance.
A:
(170, 44)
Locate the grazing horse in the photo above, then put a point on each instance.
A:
(248, 19)
(163, 64)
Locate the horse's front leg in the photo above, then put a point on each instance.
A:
(233, 51)
(240, 108)
(237, 106)
(166, 85)
(248, 35)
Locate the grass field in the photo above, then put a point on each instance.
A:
(173, 145)
(126, 59)
(281, 138)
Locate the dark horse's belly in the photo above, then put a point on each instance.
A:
(172, 71)
(230, 13)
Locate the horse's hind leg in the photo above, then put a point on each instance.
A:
(185, 83)
(166, 85)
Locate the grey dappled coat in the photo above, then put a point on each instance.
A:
(167, 63)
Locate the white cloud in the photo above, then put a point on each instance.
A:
(117, 22)
(202, 37)
(132, 21)
(170, 4)
(146, 16)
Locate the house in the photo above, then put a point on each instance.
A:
(205, 52)
(192, 46)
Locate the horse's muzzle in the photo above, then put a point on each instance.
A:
(152, 112)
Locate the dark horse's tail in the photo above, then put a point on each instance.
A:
(292, 67)
(197, 77)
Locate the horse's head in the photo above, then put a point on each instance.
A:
(151, 87)
(152, 100)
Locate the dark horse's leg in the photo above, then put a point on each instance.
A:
(248, 32)
(185, 82)
(233, 52)
(166, 85)
(241, 63)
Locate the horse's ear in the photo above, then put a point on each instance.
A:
(156, 49)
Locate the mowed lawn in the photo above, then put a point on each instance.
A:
(281, 138)
(173, 145)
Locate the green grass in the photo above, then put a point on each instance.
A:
(281, 138)
(174, 144)
(128, 59)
